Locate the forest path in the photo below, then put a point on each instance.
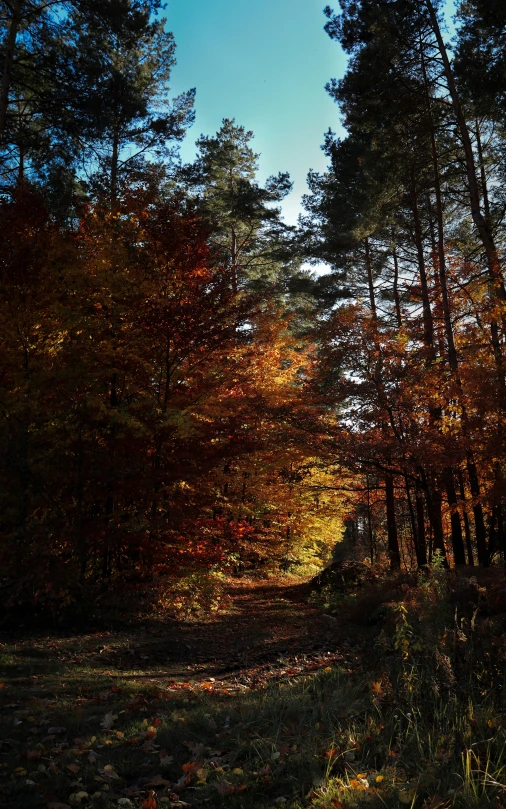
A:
(267, 631)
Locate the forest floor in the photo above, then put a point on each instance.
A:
(267, 703)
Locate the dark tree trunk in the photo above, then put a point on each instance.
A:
(457, 538)
(393, 539)
(420, 524)
(479, 522)
(433, 499)
(467, 529)
(10, 47)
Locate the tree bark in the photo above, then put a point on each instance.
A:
(370, 280)
(114, 170)
(482, 226)
(433, 500)
(479, 522)
(10, 48)
(457, 538)
(420, 525)
(393, 538)
(467, 530)
(428, 323)
(397, 300)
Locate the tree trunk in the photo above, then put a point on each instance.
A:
(479, 522)
(369, 522)
(414, 531)
(370, 280)
(10, 47)
(452, 353)
(393, 539)
(114, 170)
(433, 500)
(397, 300)
(467, 530)
(482, 226)
(492, 533)
(457, 538)
(420, 524)
(428, 323)
(234, 256)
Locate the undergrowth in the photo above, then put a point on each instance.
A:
(421, 723)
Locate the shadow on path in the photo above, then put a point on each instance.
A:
(266, 623)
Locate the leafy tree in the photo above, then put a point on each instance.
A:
(245, 224)
(126, 58)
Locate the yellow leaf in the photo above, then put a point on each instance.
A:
(407, 796)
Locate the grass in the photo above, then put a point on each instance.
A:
(330, 739)
(422, 723)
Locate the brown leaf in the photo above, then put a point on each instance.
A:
(108, 721)
(436, 802)
(158, 781)
(149, 746)
(72, 767)
(224, 788)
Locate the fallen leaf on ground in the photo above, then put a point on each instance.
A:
(108, 721)
(224, 788)
(407, 796)
(158, 781)
(191, 767)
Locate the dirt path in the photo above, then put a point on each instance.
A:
(268, 630)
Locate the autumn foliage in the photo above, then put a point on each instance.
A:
(146, 422)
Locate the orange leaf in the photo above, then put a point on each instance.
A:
(149, 803)
(336, 803)
(191, 766)
(224, 788)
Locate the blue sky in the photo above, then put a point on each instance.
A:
(264, 63)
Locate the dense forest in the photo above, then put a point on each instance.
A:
(179, 391)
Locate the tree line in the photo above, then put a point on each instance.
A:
(177, 388)
(410, 217)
